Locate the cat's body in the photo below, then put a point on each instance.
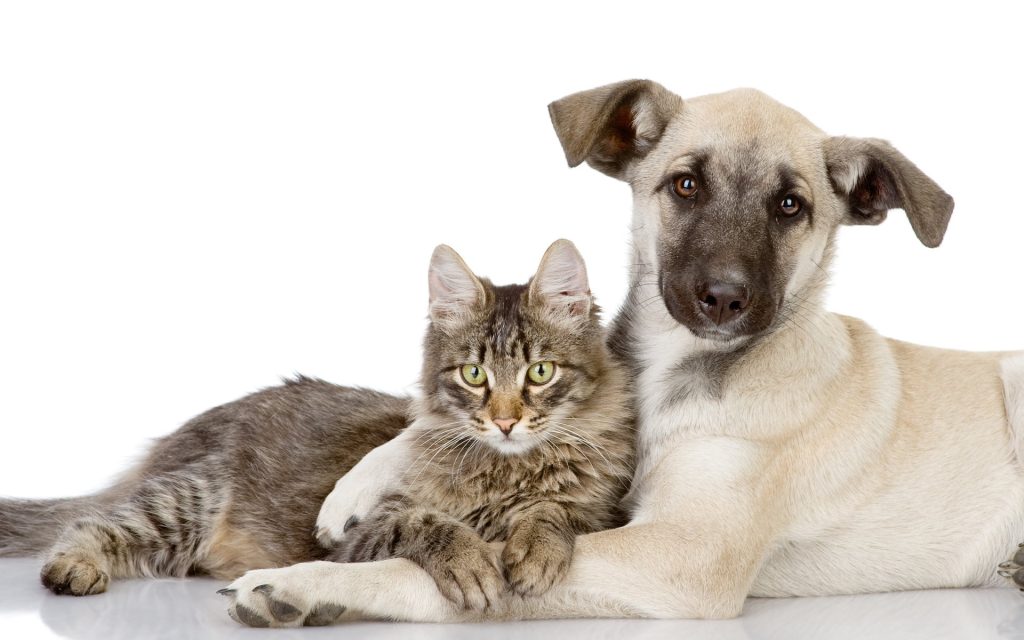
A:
(239, 487)
(236, 487)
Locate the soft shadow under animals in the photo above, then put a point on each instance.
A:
(175, 608)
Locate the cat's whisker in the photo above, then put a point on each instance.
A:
(447, 444)
(429, 442)
(446, 427)
(568, 439)
(473, 442)
(440, 433)
(618, 423)
(583, 439)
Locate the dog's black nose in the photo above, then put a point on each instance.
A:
(722, 301)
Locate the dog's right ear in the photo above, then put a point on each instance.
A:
(613, 126)
(874, 177)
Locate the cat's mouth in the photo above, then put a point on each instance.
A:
(518, 440)
(516, 447)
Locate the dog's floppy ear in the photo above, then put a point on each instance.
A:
(873, 177)
(614, 125)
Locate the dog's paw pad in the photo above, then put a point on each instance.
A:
(244, 615)
(323, 614)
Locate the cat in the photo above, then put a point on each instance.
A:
(523, 436)
(239, 487)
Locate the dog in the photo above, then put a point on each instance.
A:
(782, 450)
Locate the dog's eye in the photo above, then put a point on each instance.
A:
(685, 186)
(790, 206)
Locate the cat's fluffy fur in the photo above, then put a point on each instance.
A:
(561, 471)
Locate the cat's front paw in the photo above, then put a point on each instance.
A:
(1013, 569)
(535, 559)
(280, 598)
(357, 493)
(468, 575)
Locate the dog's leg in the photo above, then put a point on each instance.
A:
(1013, 388)
(684, 556)
(638, 571)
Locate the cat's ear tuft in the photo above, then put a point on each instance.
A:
(454, 289)
(561, 284)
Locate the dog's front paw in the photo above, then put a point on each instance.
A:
(1013, 569)
(351, 501)
(535, 559)
(357, 493)
(279, 598)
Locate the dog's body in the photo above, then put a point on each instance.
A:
(872, 465)
(783, 450)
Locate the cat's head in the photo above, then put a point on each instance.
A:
(509, 365)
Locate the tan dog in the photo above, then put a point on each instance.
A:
(783, 450)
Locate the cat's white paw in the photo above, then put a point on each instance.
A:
(284, 597)
(360, 490)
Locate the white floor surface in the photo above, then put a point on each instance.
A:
(187, 609)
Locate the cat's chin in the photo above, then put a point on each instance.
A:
(512, 447)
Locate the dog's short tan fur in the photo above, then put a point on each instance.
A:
(808, 456)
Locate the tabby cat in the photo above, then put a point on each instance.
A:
(523, 435)
(525, 418)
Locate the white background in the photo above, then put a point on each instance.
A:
(197, 198)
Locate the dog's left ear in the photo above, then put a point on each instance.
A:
(873, 177)
(613, 126)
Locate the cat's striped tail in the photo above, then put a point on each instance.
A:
(29, 527)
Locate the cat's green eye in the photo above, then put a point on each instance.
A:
(474, 375)
(541, 372)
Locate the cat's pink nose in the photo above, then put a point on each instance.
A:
(505, 424)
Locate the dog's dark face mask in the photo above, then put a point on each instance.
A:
(731, 228)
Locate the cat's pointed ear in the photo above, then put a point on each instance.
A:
(561, 285)
(454, 289)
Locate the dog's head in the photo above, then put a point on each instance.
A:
(737, 198)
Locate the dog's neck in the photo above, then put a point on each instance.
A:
(685, 380)
(762, 388)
